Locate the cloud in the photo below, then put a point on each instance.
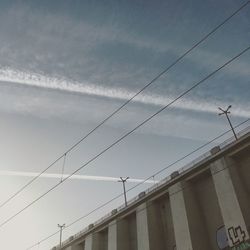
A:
(22, 78)
(210, 60)
(62, 44)
(73, 177)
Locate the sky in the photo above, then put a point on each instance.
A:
(66, 65)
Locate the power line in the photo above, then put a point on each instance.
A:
(160, 171)
(126, 102)
(63, 166)
(128, 133)
(135, 186)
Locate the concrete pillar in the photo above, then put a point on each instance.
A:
(142, 228)
(180, 219)
(118, 238)
(92, 242)
(230, 209)
(88, 242)
(112, 236)
(150, 233)
(75, 247)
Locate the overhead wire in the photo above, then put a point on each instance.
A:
(142, 182)
(125, 103)
(63, 166)
(127, 134)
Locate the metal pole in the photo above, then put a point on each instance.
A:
(124, 191)
(231, 126)
(60, 238)
(123, 180)
(61, 228)
(226, 112)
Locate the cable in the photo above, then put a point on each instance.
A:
(163, 169)
(63, 166)
(128, 190)
(126, 102)
(127, 134)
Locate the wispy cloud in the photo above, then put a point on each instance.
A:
(73, 177)
(210, 59)
(42, 81)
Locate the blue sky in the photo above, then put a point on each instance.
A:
(66, 65)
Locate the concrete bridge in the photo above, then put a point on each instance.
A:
(202, 207)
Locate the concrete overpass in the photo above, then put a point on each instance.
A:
(203, 206)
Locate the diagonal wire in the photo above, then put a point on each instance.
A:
(126, 102)
(63, 166)
(127, 134)
(135, 186)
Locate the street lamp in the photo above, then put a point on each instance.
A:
(123, 180)
(61, 228)
(226, 112)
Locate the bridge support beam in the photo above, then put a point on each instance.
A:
(142, 227)
(149, 230)
(118, 235)
(75, 247)
(92, 242)
(179, 216)
(230, 208)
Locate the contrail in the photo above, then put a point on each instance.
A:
(75, 177)
(24, 78)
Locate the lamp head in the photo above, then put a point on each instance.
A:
(230, 106)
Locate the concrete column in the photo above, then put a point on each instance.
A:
(75, 247)
(180, 219)
(88, 242)
(118, 238)
(92, 242)
(112, 236)
(230, 209)
(142, 228)
(150, 234)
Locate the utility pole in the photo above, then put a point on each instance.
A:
(61, 229)
(226, 112)
(123, 180)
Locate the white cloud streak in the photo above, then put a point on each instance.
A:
(73, 177)
(42, 81)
